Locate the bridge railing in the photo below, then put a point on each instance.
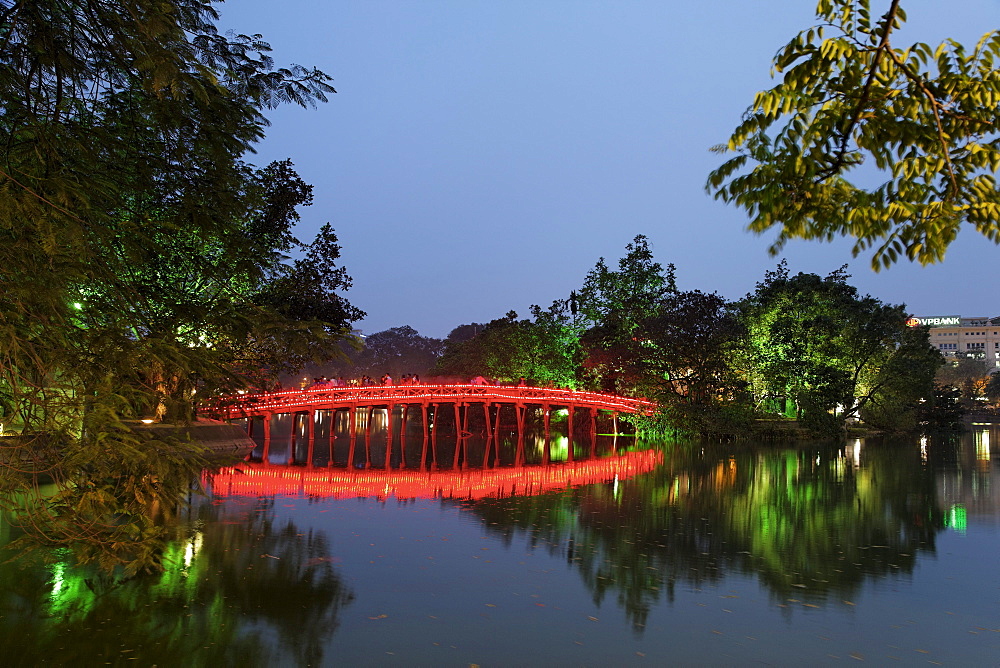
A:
(289, 400)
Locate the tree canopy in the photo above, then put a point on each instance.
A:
(140, 253)
(544, 349)
(820, 351)
(142, 259)
(895, 146)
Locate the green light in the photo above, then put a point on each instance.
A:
(58, 579)
(77, 305)
(559, 448)
(957, 518)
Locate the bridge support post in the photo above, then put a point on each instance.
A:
(434, 435)
(489, 434)
(496, 433)
(402, 435)
(547, 448)
(593, 432)
(519, 454)
(459, 438)
(353, 429)
(614, 421)
(293, 437)
(425, 434)
(311, 435)
(389, 409)
(267, 438)
(569, 432)
(368, 437)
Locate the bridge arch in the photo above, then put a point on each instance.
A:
(363, 406)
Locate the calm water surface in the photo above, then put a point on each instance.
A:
(685, 554)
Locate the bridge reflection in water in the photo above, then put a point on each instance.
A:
(431, 427)
(259, 479)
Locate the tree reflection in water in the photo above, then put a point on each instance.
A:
(809, 523)
(221, 591)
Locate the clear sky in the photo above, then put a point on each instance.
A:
(481, 155)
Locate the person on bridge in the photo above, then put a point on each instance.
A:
(522, 382)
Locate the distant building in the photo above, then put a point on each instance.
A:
(954, 336)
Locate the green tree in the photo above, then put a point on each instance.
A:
(958, 370)
(969, 376)
(922, 119)
(612, 304)
(681, 357)
(992, 389)
(308, 315)
(622, 298)
(943, 410)
(896, 389)
(544, 350)
(136, 249)
(397, 351)
(818, 350)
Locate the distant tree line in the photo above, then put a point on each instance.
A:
(800, 346)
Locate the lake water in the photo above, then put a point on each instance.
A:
(646, 554)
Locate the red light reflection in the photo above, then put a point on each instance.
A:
(259, 479)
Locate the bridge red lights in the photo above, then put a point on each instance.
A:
(288, 401)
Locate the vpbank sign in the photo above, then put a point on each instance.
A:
(936, 321)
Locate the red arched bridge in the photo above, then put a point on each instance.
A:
(388, 406)
(332, 398)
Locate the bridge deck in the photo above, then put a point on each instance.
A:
(289, 401)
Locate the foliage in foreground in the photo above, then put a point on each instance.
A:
(142, 260)
(922, 120)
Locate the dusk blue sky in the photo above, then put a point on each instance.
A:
(480, 156)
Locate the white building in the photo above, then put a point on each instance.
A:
(954, 336)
